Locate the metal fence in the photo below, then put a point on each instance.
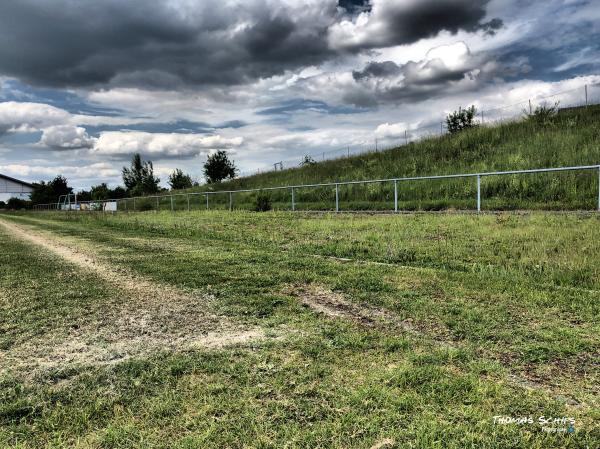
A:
(129, 204)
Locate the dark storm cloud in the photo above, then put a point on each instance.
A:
(74, 43)
(299, 104)
(377, 69)
(398, 23)
(388, 82)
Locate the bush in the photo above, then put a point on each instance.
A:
(543, 114)
(461, 119)
(262, 202)
(17, 204)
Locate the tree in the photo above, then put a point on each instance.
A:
(139, 178)
(100, 192)
(2, 205)
(44, 193)
(218, 167)
(103, 192)
(461, 119)
(84, 195)
(179, 180)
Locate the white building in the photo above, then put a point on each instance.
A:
(13, 188)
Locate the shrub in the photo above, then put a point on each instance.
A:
(17, 204)
(461, 119)
(543, 114)
(262, 202)
(308, 160)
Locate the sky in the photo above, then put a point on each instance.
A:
(84, 84)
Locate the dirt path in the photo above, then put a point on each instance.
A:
(145, 317)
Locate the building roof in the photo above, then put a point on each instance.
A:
(8, 178)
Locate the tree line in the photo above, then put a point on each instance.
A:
(138, 179)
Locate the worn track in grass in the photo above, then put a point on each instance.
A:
(146, 317)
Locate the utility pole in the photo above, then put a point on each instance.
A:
(376, 145)
(586, 95)
(405, 137)
(530, 109)
(482, 116)
(348, 150)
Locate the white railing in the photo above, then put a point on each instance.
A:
(113, 204)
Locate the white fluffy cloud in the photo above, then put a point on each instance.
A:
(160, 144)
(66, 137)
(28, 117)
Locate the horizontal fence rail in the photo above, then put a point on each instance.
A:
(112, 205)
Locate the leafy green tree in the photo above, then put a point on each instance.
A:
(2, 205)
(44, 193)
(84, 195)
(461, 119)
(179, 180)
(139, 179)
(100, 192)
(219, 167)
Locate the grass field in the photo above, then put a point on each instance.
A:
(230, 330)
(571, 138)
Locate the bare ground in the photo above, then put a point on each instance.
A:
(145, 317)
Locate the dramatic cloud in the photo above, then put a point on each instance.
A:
(445, 70)
(92, 82)
(159, 144)
(390, 22)
(170, 43)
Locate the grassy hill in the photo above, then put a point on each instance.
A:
(571, 137)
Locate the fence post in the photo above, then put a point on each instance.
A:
(337, 198)
(530, 109)
(598, 188)
(478, 193)
(293, 201)
(586, 95)
(134, 204)
(187, 196)
(172, 207)
(395, 195)
(230, 201)
(207, 201)
(157, 204)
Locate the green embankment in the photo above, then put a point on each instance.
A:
(571, 138)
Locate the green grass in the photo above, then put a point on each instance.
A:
(492, 296)
(571, 138)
